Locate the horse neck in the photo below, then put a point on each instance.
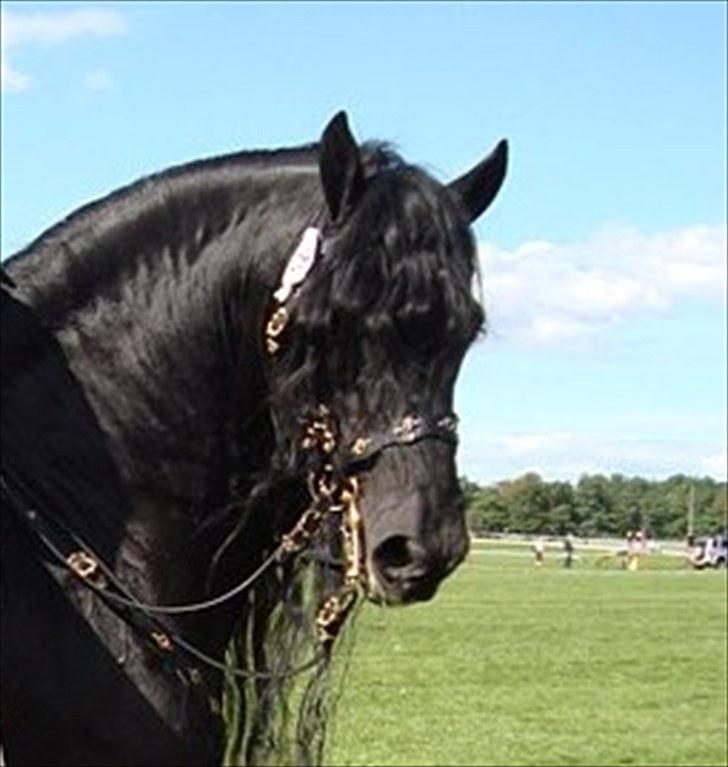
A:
(152, 330)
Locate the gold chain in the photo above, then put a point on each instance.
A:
(333, 612)
(330, 495)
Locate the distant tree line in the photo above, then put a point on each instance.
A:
(597, 505)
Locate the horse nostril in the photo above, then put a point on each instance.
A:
(399, 557)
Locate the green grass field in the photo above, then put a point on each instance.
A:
(514, 665)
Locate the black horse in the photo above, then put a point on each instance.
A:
(232, 379)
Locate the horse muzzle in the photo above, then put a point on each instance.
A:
(404, 568)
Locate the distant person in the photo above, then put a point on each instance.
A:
(538, 550)
(568, 550)
(634, 549)
(643, 542)
(625, 552)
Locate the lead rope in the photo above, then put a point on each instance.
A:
(93, 572)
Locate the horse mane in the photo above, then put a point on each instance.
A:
(111, 213)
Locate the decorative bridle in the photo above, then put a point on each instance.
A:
(333, 491)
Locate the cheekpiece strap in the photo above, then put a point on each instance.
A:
(296, 271)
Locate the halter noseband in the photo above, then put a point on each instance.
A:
(409, 430)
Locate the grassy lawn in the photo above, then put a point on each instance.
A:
(514, 665)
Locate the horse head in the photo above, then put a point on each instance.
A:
(366, 338)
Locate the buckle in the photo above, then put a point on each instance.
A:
(87, 568)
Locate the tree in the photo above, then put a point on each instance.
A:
(527, 500)
(488, 513)
(594, 507)
(597, 505)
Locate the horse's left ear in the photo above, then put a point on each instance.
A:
(478, 187)
(342, 176)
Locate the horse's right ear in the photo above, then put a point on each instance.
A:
(342, 176)
(477, 189)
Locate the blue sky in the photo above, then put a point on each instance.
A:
(603, 259)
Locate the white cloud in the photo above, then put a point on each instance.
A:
(716, 465)
(50, 28)
(11, 79)
(546, 292)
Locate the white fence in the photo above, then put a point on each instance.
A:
(672, 547)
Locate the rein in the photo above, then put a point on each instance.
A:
(77, 558)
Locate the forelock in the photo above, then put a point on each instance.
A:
(393, 287)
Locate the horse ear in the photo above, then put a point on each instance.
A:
(478, 187)
(342, 176)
